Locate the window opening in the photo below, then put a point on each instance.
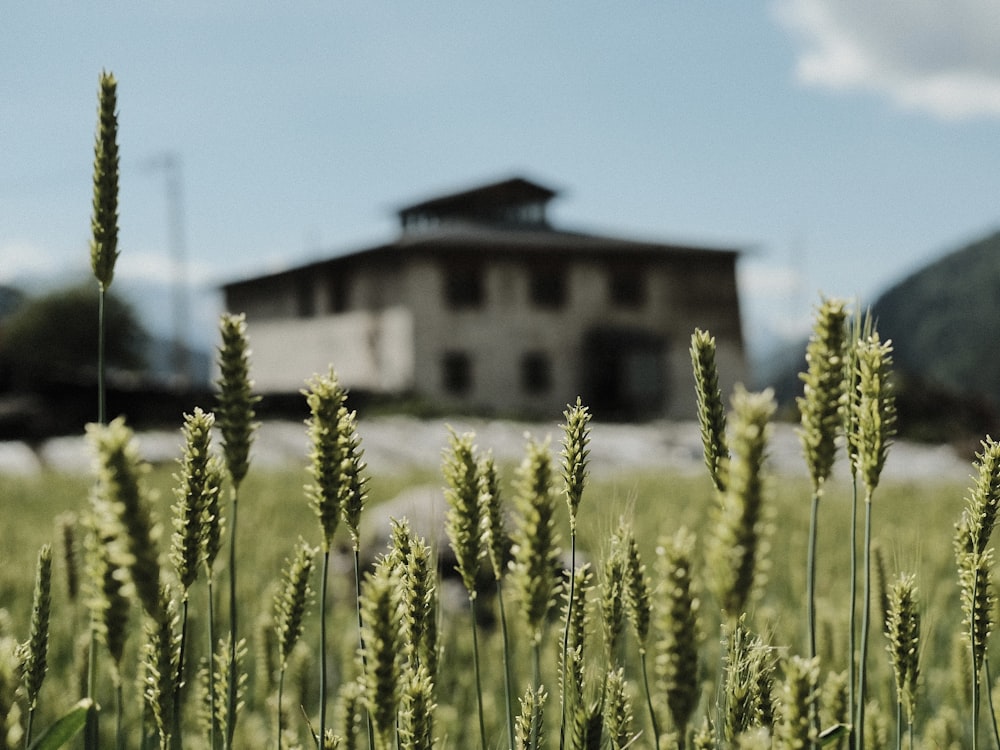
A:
(456, 372)
(536, 373)
(548, 287)
(628, 287)
(463, 286)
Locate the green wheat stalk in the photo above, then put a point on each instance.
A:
(104, 219)
(861, 327)
(106, 592)
(575, 459)
(212, 545)
(66, 525)
(974, 557)
(571, 659)
(497, 542)
(235, 414)
(198, 481)
(875, 425)
(639, 608)
(290, 607)
(463, 525)
(821, 409)
(337, 488)
(103, 254)
(902, 628)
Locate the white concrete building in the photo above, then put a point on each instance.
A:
(481, 305)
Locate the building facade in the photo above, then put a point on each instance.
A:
(481, 305)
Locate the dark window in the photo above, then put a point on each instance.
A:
(536, 373)
(456, 372)
(548, 287)
(305, 297)
(628, 287)
(463, 286)
(339, 291)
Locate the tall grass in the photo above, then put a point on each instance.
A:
(738, 558)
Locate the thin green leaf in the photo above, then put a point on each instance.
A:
(65, 728)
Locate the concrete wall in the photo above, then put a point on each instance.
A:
(371, 351)
(508, 326)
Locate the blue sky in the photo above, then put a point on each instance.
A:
(843, 143)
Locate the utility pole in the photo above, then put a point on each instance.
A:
(169, 163)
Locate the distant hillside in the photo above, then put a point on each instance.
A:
(944, 321)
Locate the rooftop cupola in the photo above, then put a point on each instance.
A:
(514, 203)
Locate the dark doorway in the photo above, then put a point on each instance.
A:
(625, 373)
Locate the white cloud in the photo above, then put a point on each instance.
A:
(939, 57)
(161, 269)
(762, 280)
(21, 259)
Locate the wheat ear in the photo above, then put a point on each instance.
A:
(749, 670)
(381, 678)
(34, 665)
(618, 711)
(120, 472)
(677, 662)
(796, 727)
(535, 569)
(736, 552)
(902, 628)
(158, 657)
(416, 730)
(711, 410)
(529, 722)
(613, 599)
(418, 578)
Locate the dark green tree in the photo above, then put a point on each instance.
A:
(53, 338)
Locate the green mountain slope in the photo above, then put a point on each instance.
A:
(944, 321)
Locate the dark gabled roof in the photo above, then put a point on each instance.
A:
(499, 202)
(490, 242)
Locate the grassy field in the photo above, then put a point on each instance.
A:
(748, 634)
(913, 528)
